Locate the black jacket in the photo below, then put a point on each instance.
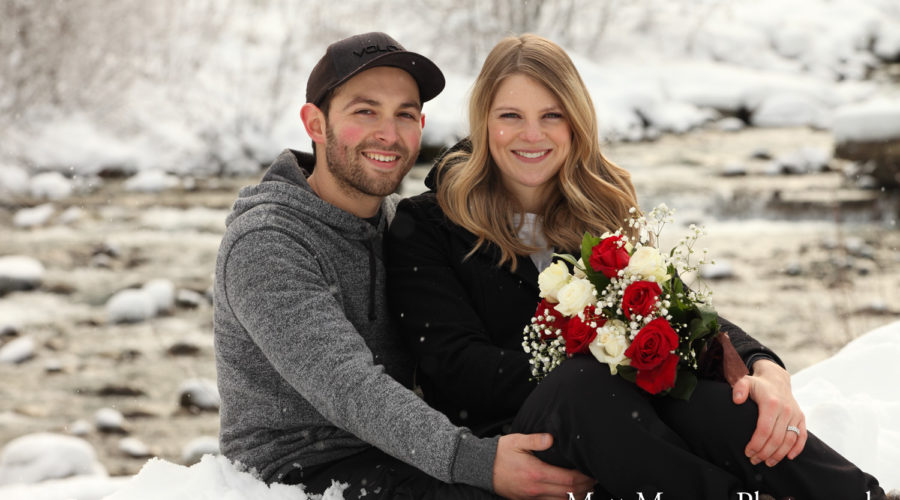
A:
(463, 318)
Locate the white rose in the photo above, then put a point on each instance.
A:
(610, 345)
(574, 296)
(551, 279)
(647, 263)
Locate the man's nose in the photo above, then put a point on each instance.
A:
(387, 131)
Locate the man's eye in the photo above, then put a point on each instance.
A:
(364, 112)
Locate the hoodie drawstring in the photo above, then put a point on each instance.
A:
(372, 315)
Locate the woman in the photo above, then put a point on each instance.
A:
(463, 266)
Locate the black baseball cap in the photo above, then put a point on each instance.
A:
(348, 57)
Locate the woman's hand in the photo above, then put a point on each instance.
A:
(770, 388)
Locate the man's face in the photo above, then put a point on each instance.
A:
(373, 131)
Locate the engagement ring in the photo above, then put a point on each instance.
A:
(793, 429)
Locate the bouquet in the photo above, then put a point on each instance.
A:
(625, 303)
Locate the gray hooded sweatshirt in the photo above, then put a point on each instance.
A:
(309, 366)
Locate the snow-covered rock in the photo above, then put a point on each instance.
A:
(163, 292)
(37, 457)
(13, 180)
(34, 216)
(130, 306)
(70, 215)
(50, 185)
(20, 272)
(109, 420)
(134, 448)
(194, 450)
(870, 133)
(151, 181)
(199, 394)
(720, 270)
(17, 350)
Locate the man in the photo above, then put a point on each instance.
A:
(313, 380)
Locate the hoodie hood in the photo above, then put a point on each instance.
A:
(284, 185)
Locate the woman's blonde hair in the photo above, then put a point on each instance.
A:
(590, 193)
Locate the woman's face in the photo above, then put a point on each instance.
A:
(529, 138)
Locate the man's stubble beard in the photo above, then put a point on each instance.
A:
(346, 167)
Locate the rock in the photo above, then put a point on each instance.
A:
(198, 394)
(733, 170)
(19, 272)
(71, 215)
(717, 271)
(791, 109)
(804, 161)
(33, 217)
(183, 349)
(869, 133)
(80, 427)
(50, 186)
(197, 447)
(13, 180)
(730, 124)
(130, 306)
(109, 420)
(53, 365)
(761, 154)
(189, 299)
(151, 181)
(119, 390)
(38, 457)
(17, 351)
(163, 293)
(134, 448)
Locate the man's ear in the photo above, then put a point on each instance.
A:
(423, 120)
(314, 121)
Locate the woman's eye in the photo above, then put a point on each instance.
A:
(553, 116)
(509, 115)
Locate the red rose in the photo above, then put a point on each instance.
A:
(651, 353)
(659, 379)
(640, 298)
(579, 333)
(652, 345)
(609, 256)
(550, 319)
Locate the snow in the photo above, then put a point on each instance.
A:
(131, 305)
(35, 216)
(874, 120)
(17, 351)
(37, 457)
(673, 66)
(19, 272)
(850, 401)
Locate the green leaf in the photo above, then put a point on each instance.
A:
(599, 280)
(629, 373)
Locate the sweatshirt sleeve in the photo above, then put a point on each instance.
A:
(276, 288)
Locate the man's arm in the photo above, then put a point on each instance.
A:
(294, 316)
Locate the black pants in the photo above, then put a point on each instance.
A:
(373, 474)
(632, 442)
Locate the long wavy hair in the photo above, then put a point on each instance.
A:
(589, 192)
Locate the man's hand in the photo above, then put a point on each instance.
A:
(770, 388)
(518, 474)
